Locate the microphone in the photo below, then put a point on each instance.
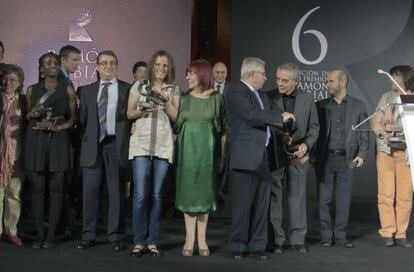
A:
(380, 71)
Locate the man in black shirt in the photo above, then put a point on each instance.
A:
(291, 166)
(338, 151)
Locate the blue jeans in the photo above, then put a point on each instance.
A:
(148, 174)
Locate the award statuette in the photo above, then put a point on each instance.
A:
(47, 121)
(397, 139)
(290, 147)
(152, 98)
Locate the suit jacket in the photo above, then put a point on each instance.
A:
(307, 123)
(356, 142)
(248, 125)
(88, 119)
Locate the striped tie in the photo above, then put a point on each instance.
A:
(102, 106)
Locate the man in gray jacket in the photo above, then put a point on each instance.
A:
(293, 165)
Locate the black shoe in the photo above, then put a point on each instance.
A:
(402, 242)
(236, 255)
(84, 244)
(278, 249)
(260, 255)
(344, 243)
(117, 246)
(37, 245)
(49, 244)
(389, 242)
(300, 248)
(326, 242)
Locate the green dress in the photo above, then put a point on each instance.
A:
(200, 125)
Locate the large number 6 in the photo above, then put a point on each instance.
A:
(318, 34)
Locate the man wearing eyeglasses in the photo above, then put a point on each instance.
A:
(250, 117)
(104, 152)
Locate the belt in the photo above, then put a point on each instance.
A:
(337, 151)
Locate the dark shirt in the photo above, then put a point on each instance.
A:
(338, 118)
(289, 105)
(289, 101)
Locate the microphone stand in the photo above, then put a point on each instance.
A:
(380, 71)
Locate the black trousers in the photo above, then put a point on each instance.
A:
(38, 185)
(250, 208)
(107, 164)
(335, 170)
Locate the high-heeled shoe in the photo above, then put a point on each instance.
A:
(187, 252)
(204, 252)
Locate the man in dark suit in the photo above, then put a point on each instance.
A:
(220, 75)
(338, 151)
(293, 166)
(104, 151)
(249, 117)
(69, 58)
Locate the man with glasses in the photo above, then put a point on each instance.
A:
(104, 152)
(249, 118)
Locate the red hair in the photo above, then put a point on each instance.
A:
(204, 72)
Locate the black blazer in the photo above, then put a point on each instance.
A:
(88, 120)
(356, 142)
(247, 126)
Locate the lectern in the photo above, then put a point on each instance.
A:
(407, 113)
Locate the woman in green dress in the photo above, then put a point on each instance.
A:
(201, 127)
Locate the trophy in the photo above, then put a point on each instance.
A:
(47, 121)
(397, 139)
(291, 147)
(152, 98)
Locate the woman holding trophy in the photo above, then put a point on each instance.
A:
(52, 113)
(153, 104)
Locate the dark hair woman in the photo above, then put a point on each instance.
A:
(52, 113)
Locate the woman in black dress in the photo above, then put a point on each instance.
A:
(48, 147)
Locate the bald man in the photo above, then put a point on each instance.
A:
(340, 150)
(220, 74)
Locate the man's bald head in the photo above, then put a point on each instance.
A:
(220, 72)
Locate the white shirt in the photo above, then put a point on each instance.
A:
(221, 86)
(112, 104)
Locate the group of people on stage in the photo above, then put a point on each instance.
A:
(263, 141)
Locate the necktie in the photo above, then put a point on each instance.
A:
(256, 93)
(102, 106)
(218, 88)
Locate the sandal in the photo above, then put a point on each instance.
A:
(155, 252)
(137, 251)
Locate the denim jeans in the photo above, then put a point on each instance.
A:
(149, 175)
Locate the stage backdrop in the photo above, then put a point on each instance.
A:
(133, 29)
(359, 36)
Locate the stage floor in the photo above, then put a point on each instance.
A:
(369, 254)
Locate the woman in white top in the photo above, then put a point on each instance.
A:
(153, 103)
